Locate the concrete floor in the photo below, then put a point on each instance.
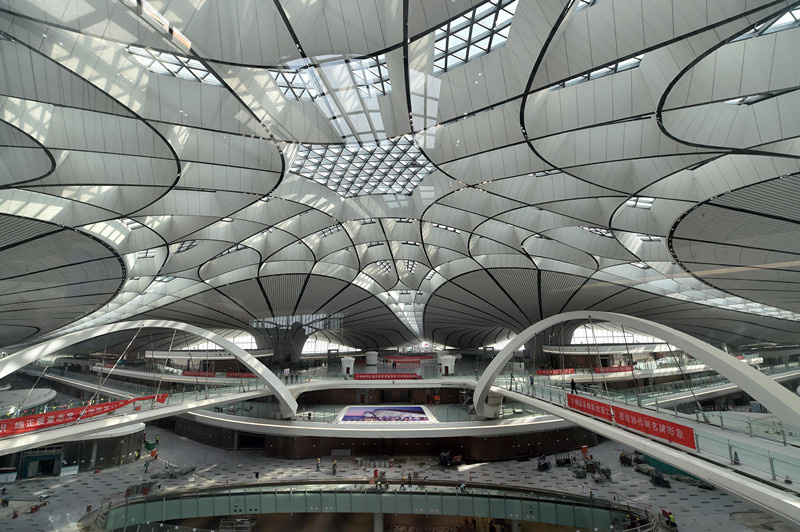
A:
(696, 510)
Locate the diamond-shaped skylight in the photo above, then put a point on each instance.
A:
(173, 65)
(392, 166)
(473, 34)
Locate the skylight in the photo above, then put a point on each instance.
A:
(786, 21)
(446, 228)
(607, 70)
(374, 243)
(369, 76)
(755, 98)
(185, 246)
(232, 249)
(473, 34)
(164, 278)
(393, 166)
(368, 221)
(132, 224)
(429, 275)
(583, 4)
(384, 265)
(599, 231)
(411, 265)
(649, 238)
(640, 265)
(543, 173)
(329, 230)
(146, 254)
(640, 202)
(174, 65)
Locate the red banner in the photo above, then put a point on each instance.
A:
(240, 375)
(20, 425)
(385, 376)
(653, 426)
(567, 371)
(590, 406)
(190, 373)
(660, 428)
(401, 358)
(614, 369)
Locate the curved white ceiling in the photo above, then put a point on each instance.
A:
(219, 163)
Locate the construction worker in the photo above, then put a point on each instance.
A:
(318, 462)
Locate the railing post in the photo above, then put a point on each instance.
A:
(721, 423)
(697, 442)
(730, 451)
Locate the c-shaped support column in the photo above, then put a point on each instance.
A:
(780, 401)
(22, 358)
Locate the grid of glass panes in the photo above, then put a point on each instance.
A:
(607, 70)
(392, 166)
(640, 202)
(329, 230)
(472, 34)
(369, 75)
(790, 19)
(599, 231)
(186, 245)
(299, 84)
(385, 265)
(173, 65)
(233, 249)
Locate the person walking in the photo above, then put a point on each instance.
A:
(574, 386)
(476, 373)
(318, 461)
(403, 482)
(146, 466)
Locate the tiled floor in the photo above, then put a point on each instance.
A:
(695, 509)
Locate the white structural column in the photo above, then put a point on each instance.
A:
(22, 358)
(775, 397)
